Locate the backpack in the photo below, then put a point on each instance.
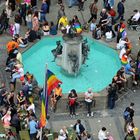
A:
(126, 115)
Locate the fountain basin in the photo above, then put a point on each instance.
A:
(101, 66)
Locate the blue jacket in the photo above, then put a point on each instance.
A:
(44, 8)
(120, 8)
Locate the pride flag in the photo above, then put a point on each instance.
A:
(51, 82)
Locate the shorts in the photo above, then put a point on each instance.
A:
(130, 73)
(57, 97)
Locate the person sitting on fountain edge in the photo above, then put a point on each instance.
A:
(57, 94)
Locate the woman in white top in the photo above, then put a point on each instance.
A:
(108, 35)
(19, 72)
(29, 19)
(16, 29)
(88, 100)
(102, 134)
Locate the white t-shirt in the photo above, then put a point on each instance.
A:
(136, 16)
(102, 135)
(92, 26)
(108, 35)
(31, 107)
(89, 95)
(121, 44)
(68, 28)
(61, 137)
(16, 28)
(122, 52)
(21, 72)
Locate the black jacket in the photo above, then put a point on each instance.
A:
(120, 8)
(81, 127)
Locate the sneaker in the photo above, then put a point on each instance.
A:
(135, 82)
(92, 114)
(88, 115)
(7, 68)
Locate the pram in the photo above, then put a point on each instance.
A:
(133, 25)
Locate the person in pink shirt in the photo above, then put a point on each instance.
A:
(6, 119)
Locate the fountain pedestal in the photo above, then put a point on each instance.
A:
(71, 58)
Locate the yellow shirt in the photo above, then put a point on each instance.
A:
(58, 91)
(64, 21)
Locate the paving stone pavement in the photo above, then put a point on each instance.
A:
(111, 119)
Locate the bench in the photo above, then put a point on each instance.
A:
(100, 98)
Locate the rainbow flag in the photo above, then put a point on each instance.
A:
(51, 82)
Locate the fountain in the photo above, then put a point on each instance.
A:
(72, 66)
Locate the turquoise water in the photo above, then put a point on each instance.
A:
(103, 64)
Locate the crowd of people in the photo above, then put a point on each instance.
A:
(18, 109)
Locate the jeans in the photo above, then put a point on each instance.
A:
(15, 76)
(111, 3)
(89, 104)
(111, 103)
(72, 109)
(72, 2)
(33, 136)
(120, 16)
(42, 17)
(29, 25)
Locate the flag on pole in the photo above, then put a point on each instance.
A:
(51, 82)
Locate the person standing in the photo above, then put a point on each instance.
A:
(13, 4)
(16, 27)
(23, 11)
(29, 19)
(79, 129)
(120, 10)
(132, 111)
(61, 12)
(35, 22)
(89, 100)
(102, 134)
(127, 118)
(44, 9)
(33, 128)
(81, 5)
(72, 102)
(111, 95)
(93, 11)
